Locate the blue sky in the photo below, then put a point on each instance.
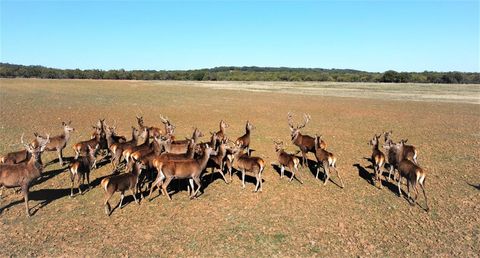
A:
(366, 35)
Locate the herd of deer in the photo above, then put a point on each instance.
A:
(162, 154)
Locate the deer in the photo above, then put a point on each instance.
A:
(152, 131)
(287, 160)
(241, 161)
(217, 162)
(24, 174)
(378, 158)
(326, 160)
(81, 147)
(413, 173)
(305, 143)
(81, 168)
(410, 152)
(22, 155)
(128, 151)
(221, 133)
(121, 183)
(117, 148)
(191, 169)
(244, 140)
(169, 127)
(112, 138)
(59, 142)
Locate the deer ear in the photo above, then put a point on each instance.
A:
(70, 122)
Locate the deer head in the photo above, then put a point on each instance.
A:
(295, 130)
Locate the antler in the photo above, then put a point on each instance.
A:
(21, 139)
(164, 119)
(306, 119)
(290, 120)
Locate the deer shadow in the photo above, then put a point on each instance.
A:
(286, 173)
(56, 160)
(369, 177)
(49, 175)
(475, 186)
(45, 196)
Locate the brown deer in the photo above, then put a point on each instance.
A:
(81, 168)
(121, 183)
(244, 163)
(191, 169)
(59, 142)
(217, 162)
(152, 131)
(411, 171)
(195, 137)
(221, 133)
(169, 127)
(23, 174)
(305, 143)
(22, 155)
(112, 137)
(410, 152)
(287, 160)
(82, 147)
(378, 158)
(146, 145)
(326, 160)
(244, 140)
(117, 148)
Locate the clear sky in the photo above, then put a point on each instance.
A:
(365, 35)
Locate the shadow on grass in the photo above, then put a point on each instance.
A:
(475, 186)
(45, 196)
(286, 173)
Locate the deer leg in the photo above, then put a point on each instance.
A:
(134, 196)
(107, 204)
(422, 181)
(199, 183)
(224, 179)
(399, 190)
(72, 178)
(410, 199)
(297, 175)
(77, 153)
(243, 178)
(282, 169)
(156, 183)
(60, 159)
(80, 178)
(88, 180)
(164, 187)
(25, 197)
(327, 174)
(390, 173)
(122, 195)
(293, 174)
(304, 159)
(318, 170)
(341, 180)
(257, 183)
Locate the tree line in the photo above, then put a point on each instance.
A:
(233, 73)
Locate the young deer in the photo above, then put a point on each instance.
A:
(152, 131)
(22, 155)
(82, 167)
(217, 162)
(241, 161)
(326, 160)
(23, 174)
(112, 138)
(411, 171)
(221, 133)
(121, 183)
(59, 142)
(244, 140)
(82, 147)
(191, 169)
(169, 127)
(117, 148)
(287, 160)
(305, 143)
(409, 151)
(127, 152)
(378, 158)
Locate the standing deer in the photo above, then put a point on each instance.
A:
(23, 174)
(22, 155)
(326, 160)
(195, 137)
(117, 148)
(121, 183)
(98, 139)
(305, 143)
(59, 142)
(128, 151)
(287, 160)
(241, 161)
(112, 138)
(409, 151)
(169, 127)
(152, 131)
(411, 171)
(244, 141)
(217, 162)
(378, 158)
(221, 133)
(81, 167)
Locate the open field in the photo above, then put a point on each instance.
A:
(287, 219)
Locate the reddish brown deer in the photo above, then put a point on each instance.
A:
(410, 152)
(326, 160)
(117, 148)
(22, 155)
(287, 160)
(23, 174)
(217, 162)
(244, 140)
(128, 151)
(305, 143)
(59, 142)
(121, 183)
(244, 163)
(221, 133)
(411, 171)
(82, 147)
(377, 159)
(81, 168)
(169, 127)
(152, 131)
(112, 138)
(192, 169)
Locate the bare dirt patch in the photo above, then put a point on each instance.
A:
(287, 219)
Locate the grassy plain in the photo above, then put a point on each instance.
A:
(287, 219)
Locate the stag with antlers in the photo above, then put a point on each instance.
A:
(305, 143)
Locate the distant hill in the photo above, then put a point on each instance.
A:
(244, 73)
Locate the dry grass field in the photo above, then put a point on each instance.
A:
(286, 219)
